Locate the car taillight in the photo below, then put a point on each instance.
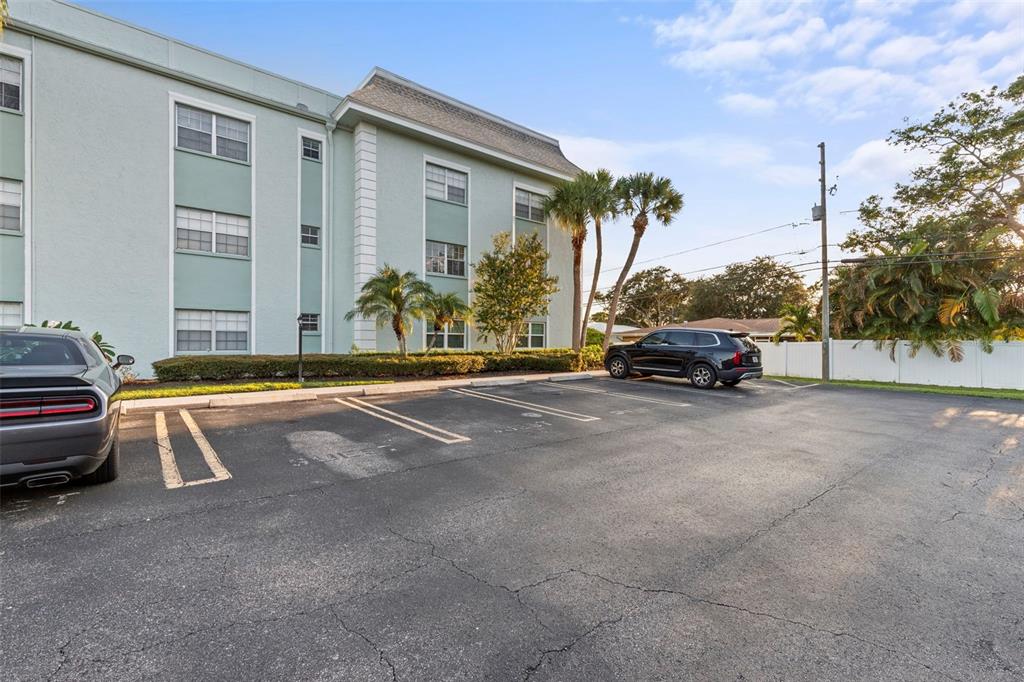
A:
(737, 358)
(21, 408)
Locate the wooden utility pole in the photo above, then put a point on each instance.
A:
(824, 271)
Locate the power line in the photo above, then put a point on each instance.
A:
(708, 246)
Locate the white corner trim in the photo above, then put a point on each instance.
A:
(28, 260)
(365, 225)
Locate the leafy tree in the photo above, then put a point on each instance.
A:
(799, 321)
(567, 204)
(442, 309)
(652, 298)
(512, 285)
(602, 204)
(640, 196)
(594, 337)
(105, 346)
(944, 260)
(755, 289)
(395, 298)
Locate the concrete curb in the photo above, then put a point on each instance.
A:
(216, 400)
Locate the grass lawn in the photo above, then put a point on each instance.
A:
(210, 388)
(1007, 393)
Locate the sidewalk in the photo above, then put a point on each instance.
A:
(304, 394)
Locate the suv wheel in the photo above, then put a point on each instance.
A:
(703, 376)
(618, 367)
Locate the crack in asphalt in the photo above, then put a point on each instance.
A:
(546, 654)
(381, 653)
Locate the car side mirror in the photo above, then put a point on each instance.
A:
(124, 360)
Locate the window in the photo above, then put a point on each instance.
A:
(681, 338)
(10, 205)
(10, 314)
(705, 339)
(310, 235)
(203, 230)
(40, 349)
(196, 128)
(655, 339)
(309, 322)
(206, 330)
(445, 183)
(448, 336)
(10, 83)
(529, 205)
(534, 337)
(310, 149)
(446, 259)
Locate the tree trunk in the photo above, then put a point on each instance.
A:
(396, 326)
(638, 233)
(593, 283)
(577, 293)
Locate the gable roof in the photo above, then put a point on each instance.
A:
(392, 94)
(765, 325)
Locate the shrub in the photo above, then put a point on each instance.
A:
(373, 365)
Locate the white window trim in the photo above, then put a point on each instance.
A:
(213, 333)
(213, 243)
(543, 336)
(213, 135)
(26, 183)
(21, 87)
(21, 208)
(319, 150)
(445, 331)
(534, 193)
(449, 165)
(324, 285)
(465, 260)
(319, 324)
(174, 98)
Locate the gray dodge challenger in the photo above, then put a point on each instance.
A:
(59, 408)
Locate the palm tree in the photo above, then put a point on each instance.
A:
(602, 203)
(567, 204)
(641, 195)
(395, 298)
(442, 309)
(798, 321)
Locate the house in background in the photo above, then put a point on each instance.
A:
(618, 330)
(182, 202)
(759, 329)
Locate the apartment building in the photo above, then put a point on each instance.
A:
(179, 201)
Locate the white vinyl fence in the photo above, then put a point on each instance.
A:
(1002, 368)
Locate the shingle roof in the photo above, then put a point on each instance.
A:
(766, 325)
(397, 96)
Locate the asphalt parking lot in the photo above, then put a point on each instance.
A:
(585, 530)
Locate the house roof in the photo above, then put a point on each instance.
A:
(765, 325)
(616, 328)
(390, 93)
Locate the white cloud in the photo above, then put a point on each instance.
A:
(745, 103)
(850, 39)
(903, 51)
(879, 164)
(734, 54)
(849, 92)
(883, 7)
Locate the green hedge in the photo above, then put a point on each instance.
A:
(223, 367)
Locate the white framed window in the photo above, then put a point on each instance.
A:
(203, 331)
(310, 235)
(195, 130)
(446, 259)
(193, 331)
(11, 316)
(310, 149)
(210, 231)
(529, 205)
(447, 184)
(10, 83)
(534, 336)
(309, 322)
(10, 204)
(452, 336)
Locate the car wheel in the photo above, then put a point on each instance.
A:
(618, 367)
(732, 382)
(108, 470)
(703, 376)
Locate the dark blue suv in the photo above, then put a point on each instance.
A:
(704, 356)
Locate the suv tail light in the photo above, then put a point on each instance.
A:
(737, 358)
(22, 408)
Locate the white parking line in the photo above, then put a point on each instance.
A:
(446, 437)
(168, 464)
(553, 411)
(622, 395)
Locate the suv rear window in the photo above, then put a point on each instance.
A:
(36, 349)
(743, 343)
(705, 339)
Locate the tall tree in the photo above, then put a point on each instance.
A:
(652, 298)
(512, 285)
(567, 204)
(602, 204)
(393, 298)
(798, 321)
(443, 309)
(640, 196)
(755, 289)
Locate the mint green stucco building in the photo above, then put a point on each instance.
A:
(182, 202)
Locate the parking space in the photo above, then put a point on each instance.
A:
(568, 530)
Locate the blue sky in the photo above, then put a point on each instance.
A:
(728, 100)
